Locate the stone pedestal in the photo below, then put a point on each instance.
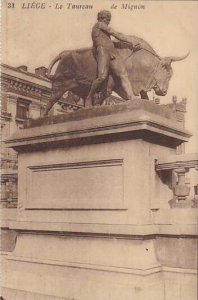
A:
(88, 192)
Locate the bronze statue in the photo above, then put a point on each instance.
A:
(144, 70)
(107, 57)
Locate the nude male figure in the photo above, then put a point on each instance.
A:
(106, 58)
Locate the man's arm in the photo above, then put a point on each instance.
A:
(117, 35)
(121, 37)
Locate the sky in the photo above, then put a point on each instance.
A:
(33, 37)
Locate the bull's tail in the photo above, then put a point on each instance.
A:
(55, 60)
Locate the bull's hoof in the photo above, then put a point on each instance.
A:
(135, 98)
(88, 102)
(44, 114)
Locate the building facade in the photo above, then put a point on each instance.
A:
(24, 95)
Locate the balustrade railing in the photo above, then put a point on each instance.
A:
(9, 194)
(179, 165)
(9, 162)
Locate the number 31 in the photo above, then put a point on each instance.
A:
(10, 5)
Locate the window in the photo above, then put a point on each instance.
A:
(4, 103)
(42, 109)
(22, 111)
(5, 131)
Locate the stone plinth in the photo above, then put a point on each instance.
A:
(87, 192)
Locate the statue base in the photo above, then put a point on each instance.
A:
(87, 190)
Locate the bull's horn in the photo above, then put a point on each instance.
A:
(176, 58)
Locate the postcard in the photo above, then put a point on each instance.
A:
(99, 185)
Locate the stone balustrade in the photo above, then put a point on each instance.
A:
(9, 191)
(179, 165)
(9, 181)
(9, 162)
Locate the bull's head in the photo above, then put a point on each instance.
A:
(164, 73)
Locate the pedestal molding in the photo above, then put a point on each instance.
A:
(135, 271)
(107, 230)
(118, 123)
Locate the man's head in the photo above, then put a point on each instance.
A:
(104, 16)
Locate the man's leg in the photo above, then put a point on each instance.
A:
(103, 60)
(118, 68)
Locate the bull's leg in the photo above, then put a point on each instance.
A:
(110, 86)
(108, 90)
(144, 95)
(126, 85)
(95, 86)
(105, 93)
(118, 68)
(55, 97)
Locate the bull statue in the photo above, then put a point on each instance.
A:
(78, 68)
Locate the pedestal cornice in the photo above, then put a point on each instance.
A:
(134, 120)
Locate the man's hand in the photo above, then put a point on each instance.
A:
(137, 47)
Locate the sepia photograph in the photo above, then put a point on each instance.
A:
(99, 150)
